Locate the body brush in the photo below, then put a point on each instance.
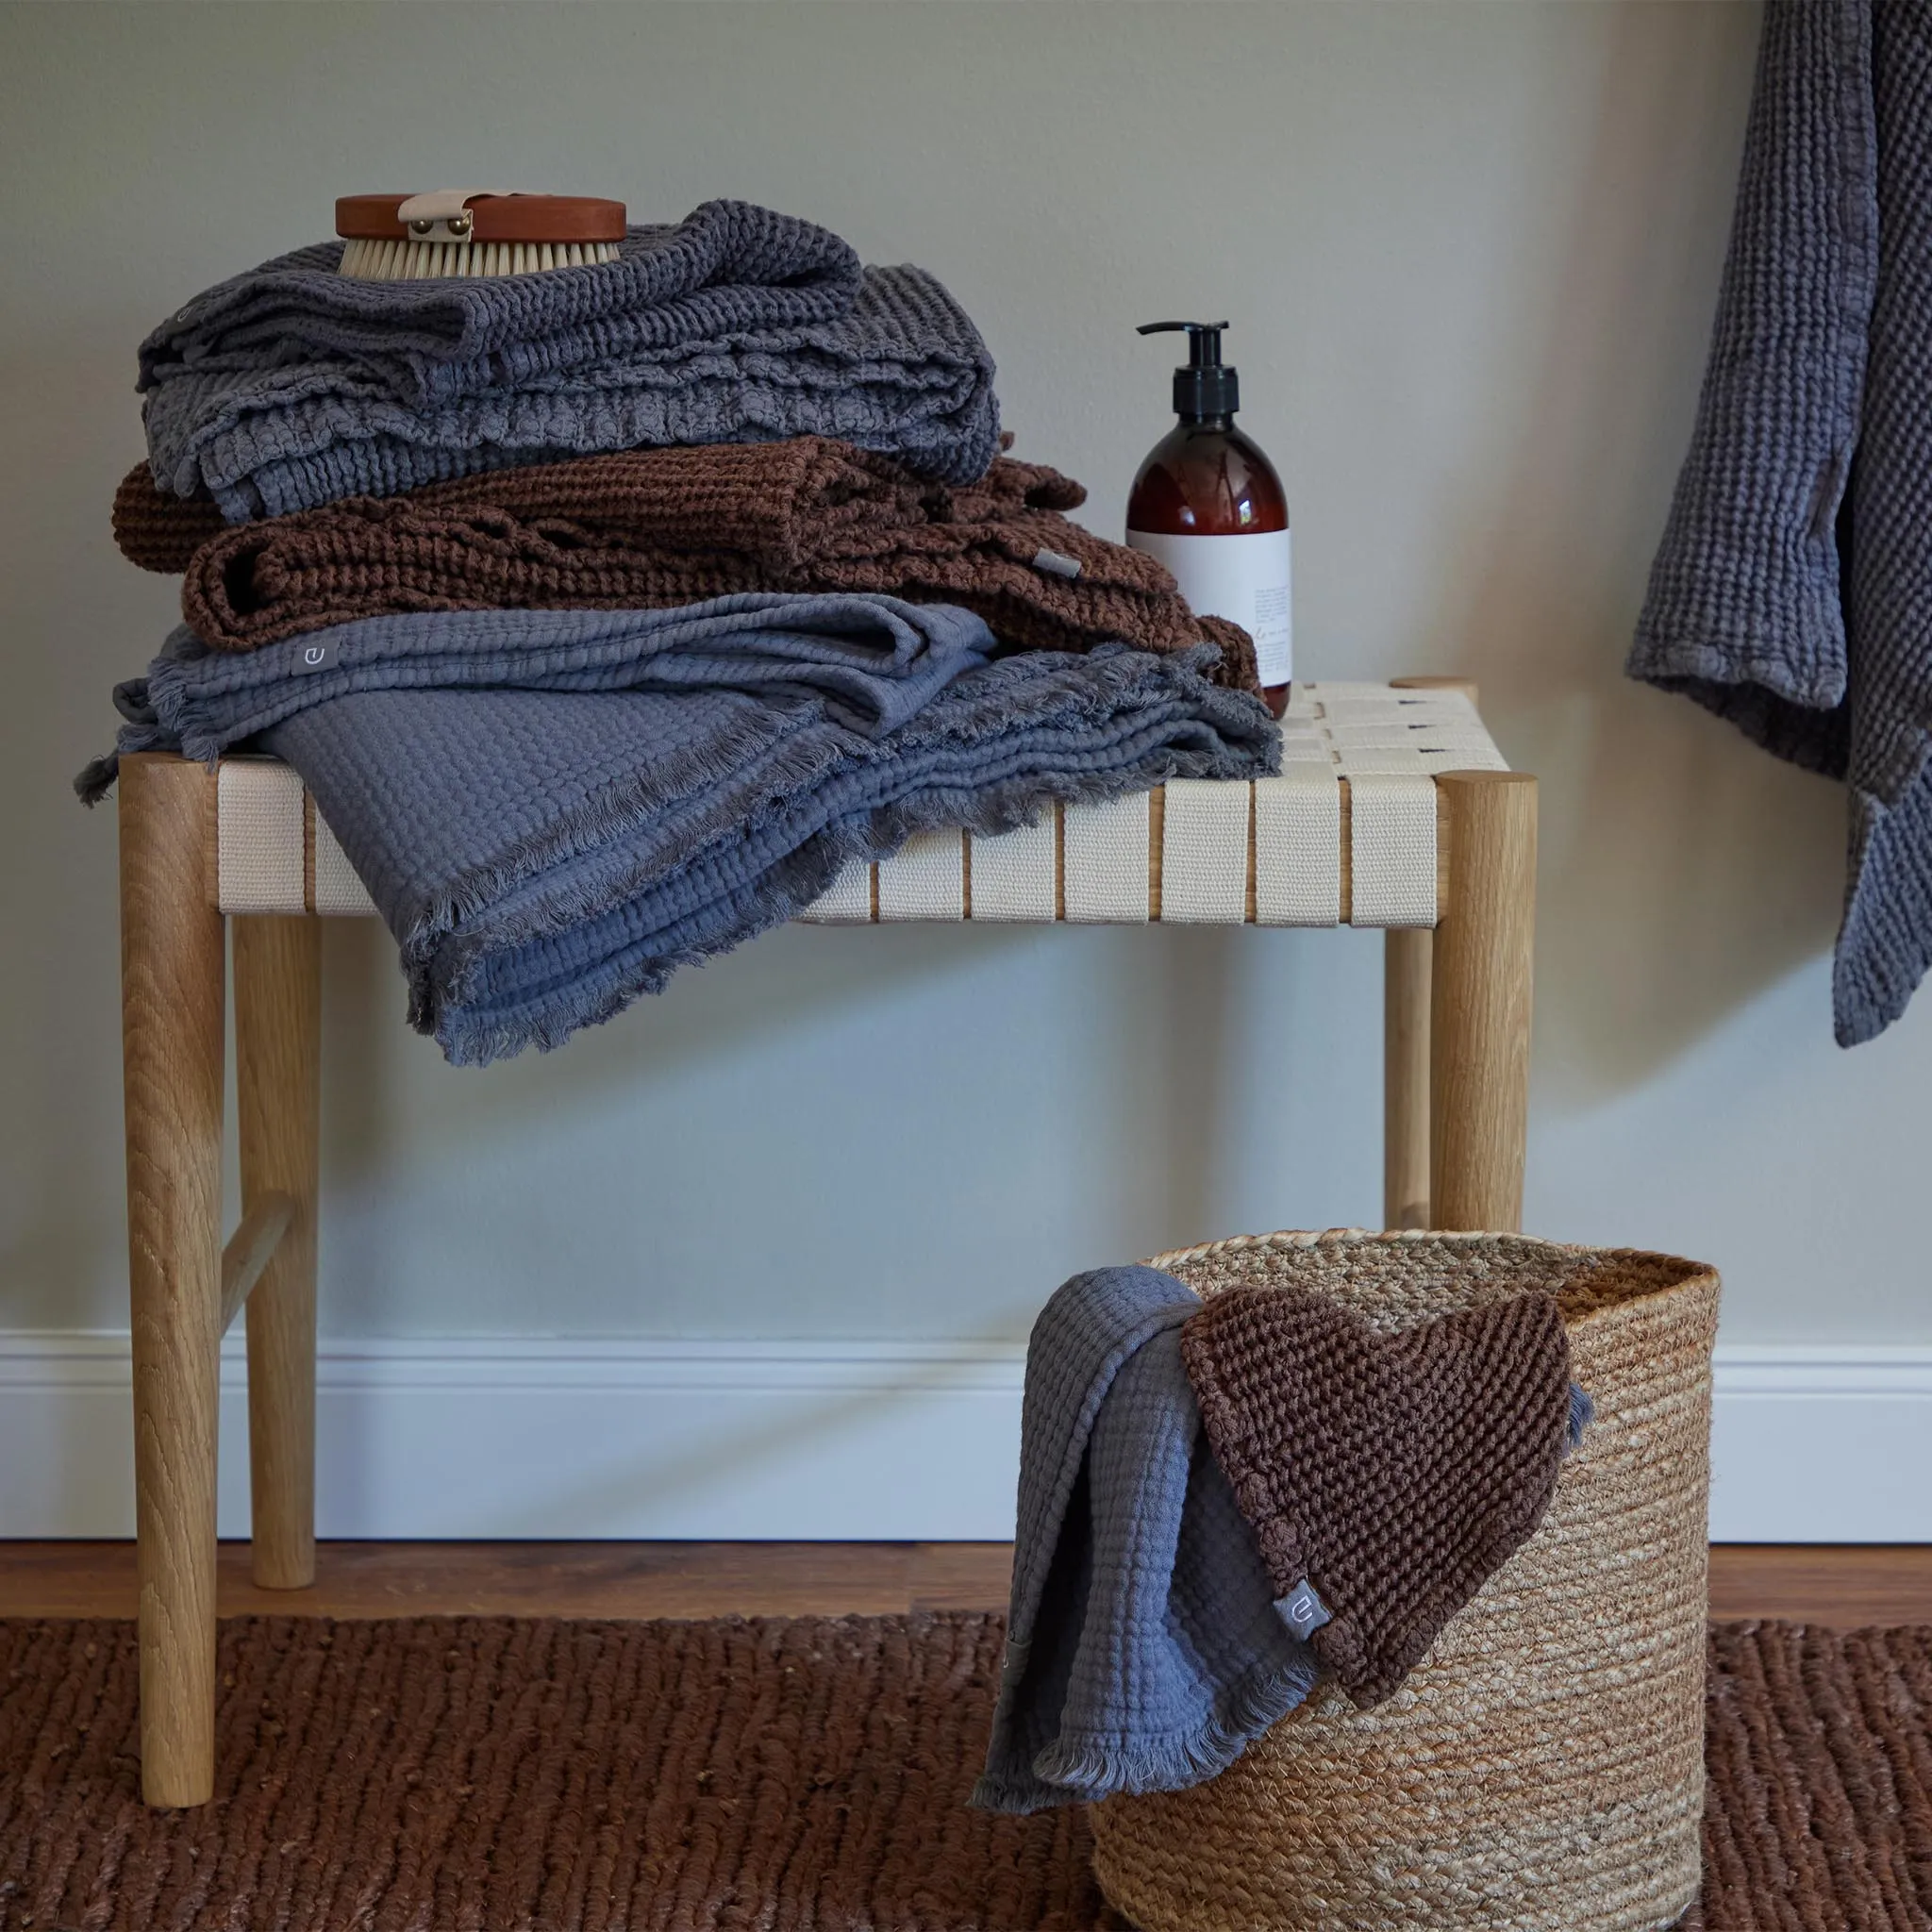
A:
(472, 231)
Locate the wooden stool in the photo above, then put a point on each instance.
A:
(1393, 810)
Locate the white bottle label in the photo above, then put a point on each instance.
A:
(1246, 579)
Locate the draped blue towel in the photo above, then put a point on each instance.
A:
(554, 810)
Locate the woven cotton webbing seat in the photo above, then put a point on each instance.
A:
(1393, 810)
(1345, 835)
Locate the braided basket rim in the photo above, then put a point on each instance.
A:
(1684, 1273)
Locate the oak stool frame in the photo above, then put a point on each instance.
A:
(1455, 1094)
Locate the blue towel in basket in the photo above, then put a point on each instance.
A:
(1792, 589)
(1144, 1651)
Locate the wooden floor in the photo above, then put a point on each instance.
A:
(1844, 1585)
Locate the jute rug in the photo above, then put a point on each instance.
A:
(497, 1776)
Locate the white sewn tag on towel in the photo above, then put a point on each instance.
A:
(1300, 1609)
(1061, 566)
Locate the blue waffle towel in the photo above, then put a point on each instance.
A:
(555, 809)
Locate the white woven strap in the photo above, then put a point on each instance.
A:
(337, 892)
(1298, 846)
(1016, 878)
(272, 851)
(1106, 850)
(260, 861)
(1204, 853)
(925, 880)
(1391, 849)
(847, 902)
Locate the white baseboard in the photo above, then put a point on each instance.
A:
(813, 1440)
(1822, 1446)
(522, 1438)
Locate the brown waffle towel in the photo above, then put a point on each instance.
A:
(1393, 1473)
(661, 527)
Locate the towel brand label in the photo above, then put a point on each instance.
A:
(1056, 564)
(1300, 1609)
(318, 656)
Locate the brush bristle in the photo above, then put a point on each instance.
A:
(413, 261)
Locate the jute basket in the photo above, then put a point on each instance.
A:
(1542, 1769)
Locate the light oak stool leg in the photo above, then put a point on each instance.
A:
(171, 1017)
(1405, 969)
(1479, 1000)
(1406, 959)
(279, 1094)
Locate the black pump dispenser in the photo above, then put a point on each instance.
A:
(1207, 506)
(1207, 387)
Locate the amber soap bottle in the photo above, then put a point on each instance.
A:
(1208, 505)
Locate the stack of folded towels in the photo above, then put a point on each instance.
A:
(610, 611)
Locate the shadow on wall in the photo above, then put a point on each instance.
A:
(777, 985)
(76, 620)
(773, 986)
(1683, 870)
(1170, 1000)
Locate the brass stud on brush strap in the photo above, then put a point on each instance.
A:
(468, 232)
(458, 227)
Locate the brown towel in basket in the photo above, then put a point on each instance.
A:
(1391, 1474)
(656, 528)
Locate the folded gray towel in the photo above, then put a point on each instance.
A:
(555, 809)
(1793, 590)
(727, 267)
(292, 386)
(1144, 1650)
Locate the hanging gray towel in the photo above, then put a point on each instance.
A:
(1793, 592)
(1144, 1650)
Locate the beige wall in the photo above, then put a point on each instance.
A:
(1470, 252)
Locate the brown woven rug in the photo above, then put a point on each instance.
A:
(490, 1775)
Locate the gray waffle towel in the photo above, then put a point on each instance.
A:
(555, 809)
(1793, 592)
